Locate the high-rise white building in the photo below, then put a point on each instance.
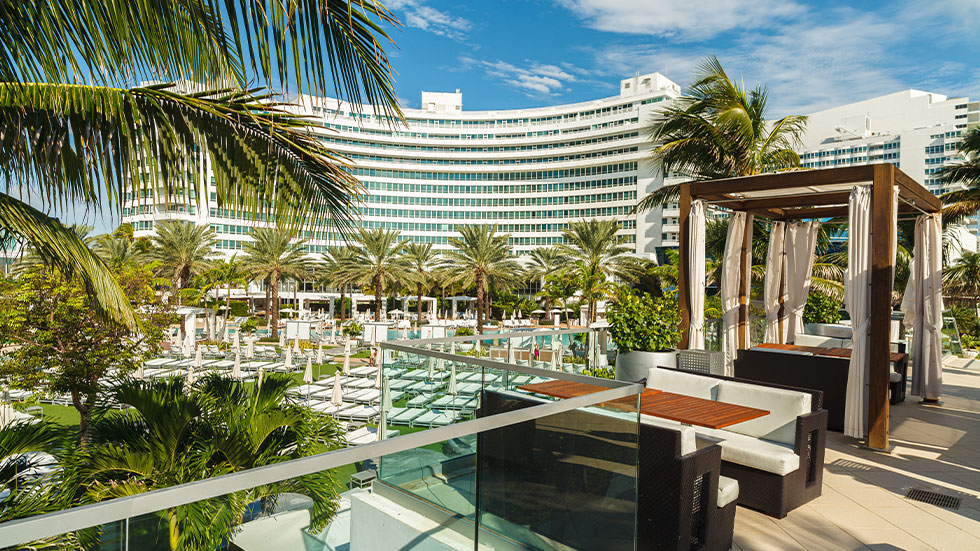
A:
(529, 171)
(919, 132)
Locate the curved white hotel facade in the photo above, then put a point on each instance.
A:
(529, 171)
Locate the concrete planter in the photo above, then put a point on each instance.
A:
(635, 365)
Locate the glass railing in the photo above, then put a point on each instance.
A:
(470, 452)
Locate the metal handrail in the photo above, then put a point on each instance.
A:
(22, 531)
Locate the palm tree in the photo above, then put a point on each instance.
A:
(32, 255)
(557, 289)
(963, 202)
(175, 434)
(479, 255)
(422, 262)
(117, 251)
(597, 253)
(719, 130)
(377, 261)
(103, 140)
(334, 272)
(544, 262)
(961, 280)
(182, 250)
(273, 256)
(228, 273)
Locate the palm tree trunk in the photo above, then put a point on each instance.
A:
(174, 530)
(295, 297)
(343, 302)
(274, 322)
(488, 304)
(268, 301)
(377, 296)
(479, 303)
(418, 306)
(224, 324)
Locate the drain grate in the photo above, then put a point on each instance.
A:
(934, 498)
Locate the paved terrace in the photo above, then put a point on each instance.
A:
(863, 505)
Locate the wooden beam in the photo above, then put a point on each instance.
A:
(782, 180)
(683, 266)
(915, 192)
(804, 200)
(882, 270)
(819, 212)
(745, 284)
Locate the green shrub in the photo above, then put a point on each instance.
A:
(644, 323)
(967, 324)
(464, 332)
(238, 309)
(250, 325)
(821, 308)
(353, 329)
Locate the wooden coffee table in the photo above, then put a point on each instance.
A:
(668, 405)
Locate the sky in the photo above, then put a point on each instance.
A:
(506, 54)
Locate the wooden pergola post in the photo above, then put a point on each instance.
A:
(683, 266)
(879, 333)
(745, 283)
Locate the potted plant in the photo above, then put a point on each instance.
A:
(645, 330)
(464, 332)
(353, 331)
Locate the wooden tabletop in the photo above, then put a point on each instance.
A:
(822, 351)
(668, 405)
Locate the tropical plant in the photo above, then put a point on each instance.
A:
(182, 250)
(353, 330)
(463, 332)
(228, 273)
(821, 308)
(272, 255)
(719, 130)
(421, 261)
(64, 79)
(644, 323)
(478, 255)
(62, 342)
(117, 252)
(545, 261)
(964, 202)
(961, 280)
(598, 254)
(33, 256)
(557, 289)
(377, 261)
(176, 433)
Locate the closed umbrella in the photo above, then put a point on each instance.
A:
(452, 347)
(347, 362)
(476, 348)
(385, 407)
(199, 358)
(378, 376)
(236, 370)
(554, 359)
(510, 352)
(319, 354)
(238, 339)
(333, 333)
(432, 365)
(289, 358)
(189, 344)
(337, 397)
(190, 374)
(261, 374)
(308, 376)
(451, 389)
(139, 372)
(282, 339)
(7, 414)
(250, 349)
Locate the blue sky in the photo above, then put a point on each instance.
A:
(811, 55)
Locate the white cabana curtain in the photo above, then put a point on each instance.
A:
(857, 299)
(731, 274)
(923, 307)
(800, 248)
(696, 285)
(775, 262)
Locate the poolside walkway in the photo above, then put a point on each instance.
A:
(863, 505)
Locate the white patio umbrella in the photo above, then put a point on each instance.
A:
(289, 358)
(452, 347)
(337, 397)
(139, 372)
(510, 352)
(296, 345)
(190, 374)
(347, 347)
(385, 407)
(236, 369)
(451, 389)
(319, 354)
(347, 362)
(282, 339)
(333, 333)
(379, 375)
(7, 414)
(261, 374)
(554, 359)
(189, 344)
(432, 366)
(199, 358)
(308, 376)
(238, 339)
(250, 349)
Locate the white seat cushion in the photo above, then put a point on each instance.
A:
(727, 490)
(829, 330)
(689, 384)
(803, 339)
(784, 407)
(765, 455)
(688, 440)
(894, 377)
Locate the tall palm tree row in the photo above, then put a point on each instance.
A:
(421, 261)
(478, 256)
(377, 261)
(273, 256)
(719, 130)
(102, 139)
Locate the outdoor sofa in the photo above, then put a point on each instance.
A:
(778, 458)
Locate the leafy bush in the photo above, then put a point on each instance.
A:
(644, 323)
(353, 329)
(464, 332)
(821, 308)
(238, 309)
(968, 325)
(250, 325)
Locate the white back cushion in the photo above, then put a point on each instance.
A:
(689, 384)
(688, 436)
(829, 330)
(803, 339)
(783, 406)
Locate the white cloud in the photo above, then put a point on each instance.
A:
(681, 19)
(421, 16)
(533, 79)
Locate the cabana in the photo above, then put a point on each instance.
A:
(872, 197)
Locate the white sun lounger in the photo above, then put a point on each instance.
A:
(365, 396)
(404, 416)
(303, 390)
(364, 371)
(435, 419)
(358, 413)
(353, 382)
(454, 402)
(400, 384)
(330, 409)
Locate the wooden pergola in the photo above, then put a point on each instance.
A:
(817, 194)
